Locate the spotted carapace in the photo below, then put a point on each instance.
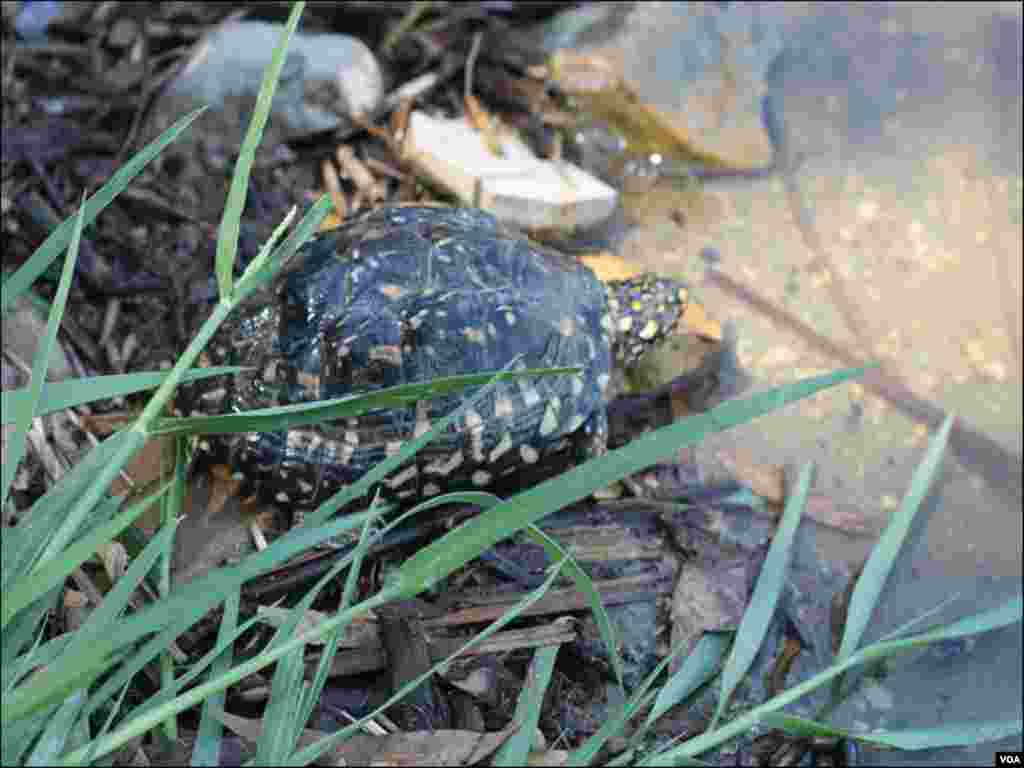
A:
(408, 294)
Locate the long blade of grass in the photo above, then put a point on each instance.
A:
(312, 694)
(516, 748)
(406, 452)
(227, 240)
(23, 416)
(961, 734)
(586, 586)
(456, 548)
(883, 557)
(281, 724)
(301, 414)
(801, 727)
(206, 750)
(112, 713)
(58, 395)
(26, 274)
(289, 697)
(758, 615)
(697, 669)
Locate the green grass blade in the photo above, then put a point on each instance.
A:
(1002, 615)
(961, 734)
(758, 616)
(206, 750)
(58, 395)
(516, 748)
(883, 557)
(291, 701)
(801, 727)
(19, 282)
(24, 415)
(227, 240)
(408, 450)
(699, 667)
(454, 549)
(113, 711)
(586, 586)
(311, 696)
(52, 573)
(301, 414)
(281, 724)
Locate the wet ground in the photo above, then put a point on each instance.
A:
(898, 239)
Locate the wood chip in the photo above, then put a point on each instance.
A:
(518, 188)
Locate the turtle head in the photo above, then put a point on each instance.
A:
(643, 311)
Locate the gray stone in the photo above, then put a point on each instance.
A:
(325, 79)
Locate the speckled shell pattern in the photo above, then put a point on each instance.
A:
(408, 294)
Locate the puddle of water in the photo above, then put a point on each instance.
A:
(898, 239)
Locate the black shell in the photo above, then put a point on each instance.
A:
(407, 294)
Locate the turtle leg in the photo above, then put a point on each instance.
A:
(628, 417)
(594, 445)
(595, 436)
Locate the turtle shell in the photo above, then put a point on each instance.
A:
(408, 294)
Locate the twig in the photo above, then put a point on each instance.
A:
(471, 64)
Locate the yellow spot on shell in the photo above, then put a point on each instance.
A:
(649, 331)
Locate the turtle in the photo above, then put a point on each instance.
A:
(406, 294)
